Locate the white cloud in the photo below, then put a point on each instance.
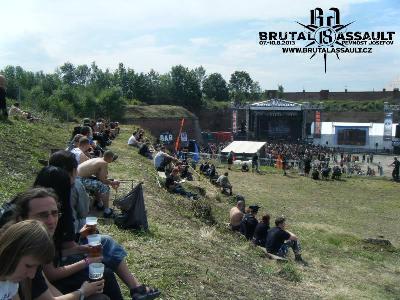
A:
(148, 35)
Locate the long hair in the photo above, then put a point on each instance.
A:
(22, 201)
(24, 238)
(59, 180)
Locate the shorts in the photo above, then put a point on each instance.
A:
(94, 185)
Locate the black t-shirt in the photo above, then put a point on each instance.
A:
(275, 239)
(260, 234)
(248, 225)
(396, 164)
(169, 181)
(254, 158)
(39, 285)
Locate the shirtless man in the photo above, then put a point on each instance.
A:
(98, 167)
(235, 215)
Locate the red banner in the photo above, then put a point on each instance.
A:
(317, 125)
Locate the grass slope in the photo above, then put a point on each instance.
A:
(21, 145)
(187, 258)
(157, 112)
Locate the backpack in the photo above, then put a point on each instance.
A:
(6, 211)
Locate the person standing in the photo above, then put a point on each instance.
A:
(230, 160)
(254, 163)
(3, 104)
(395, 173)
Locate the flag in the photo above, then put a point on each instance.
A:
(196, 155)
(179, 135)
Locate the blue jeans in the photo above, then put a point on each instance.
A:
(181, 191)
(284, 249)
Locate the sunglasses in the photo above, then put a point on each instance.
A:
(45, 215)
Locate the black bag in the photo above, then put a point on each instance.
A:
(6, 211)
(133, 212)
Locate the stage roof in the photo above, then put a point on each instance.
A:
(244, 147)
(275, 104)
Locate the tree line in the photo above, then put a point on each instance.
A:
(84, 90)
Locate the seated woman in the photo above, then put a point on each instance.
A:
(40, 204)
(113, 253)
(261, 231)
(24, 246)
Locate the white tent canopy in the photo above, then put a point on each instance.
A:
(244, 147)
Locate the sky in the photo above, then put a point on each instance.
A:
(221, 36)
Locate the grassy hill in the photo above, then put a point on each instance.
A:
(157, 112)
(191, 255)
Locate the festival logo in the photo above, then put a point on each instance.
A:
(326, 35)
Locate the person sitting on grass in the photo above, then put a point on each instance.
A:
(162, 159)
(315, 174)
(132, 141)
(279, 240)
(224, 184)
(236, 215)
(249, 222)
(172, 185)
(24, 246)
(74, 143)
(261, 231)
(70, 267)
(146, 150)
(98, 167)
(81, 152)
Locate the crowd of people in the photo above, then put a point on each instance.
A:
(276, 240)
(44, 245)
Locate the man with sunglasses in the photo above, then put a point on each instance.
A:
(41, 204)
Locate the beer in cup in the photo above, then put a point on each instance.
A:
(94, 242)
(96, 271)
(91, 223)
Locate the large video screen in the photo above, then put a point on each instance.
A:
(352, 136)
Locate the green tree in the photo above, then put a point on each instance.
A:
(200, 73)
(185, 87)
(215, 87)
(67, 73)
(240, 87)
(112, 104)
(82, 75)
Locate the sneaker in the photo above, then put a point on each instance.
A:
(300, 260)
(141, 293)
(108, 213)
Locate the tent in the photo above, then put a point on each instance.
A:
(246, 147)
